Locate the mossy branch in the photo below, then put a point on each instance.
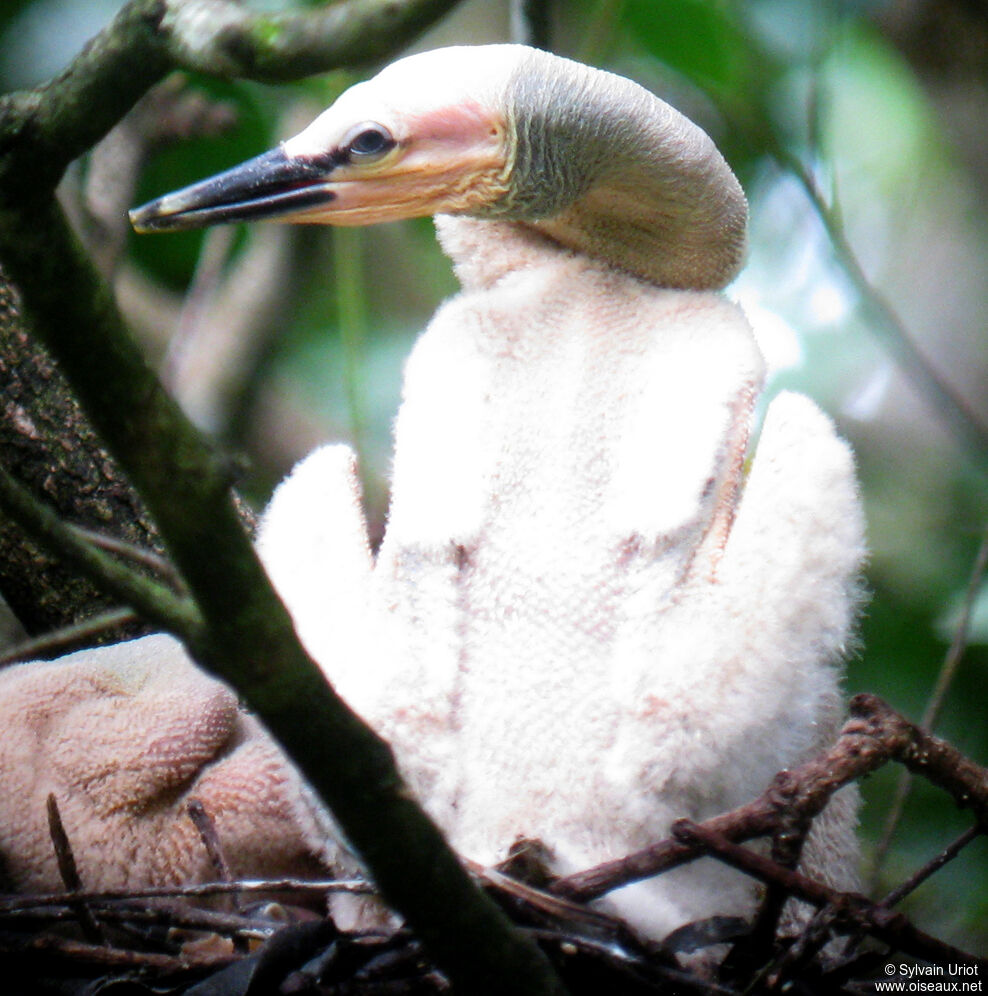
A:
(221, 38)
(43, 130)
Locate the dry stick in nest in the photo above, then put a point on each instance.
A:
(258, 924)
(210, 840)
(917, 878)
(787, 846)
(786, 965)
(853, 911)
(20, 904)
(874, 735)
(69, 871)
(64, 950)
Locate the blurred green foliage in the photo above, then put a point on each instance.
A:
(822, 81)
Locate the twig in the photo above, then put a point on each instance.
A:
(233, 321)
(959, 642)
(66, 637)
(962, 422)
(944, 679)
(554, 907)
(9, 904)
(253, 927)
(853, 911)
(811, 938)
(51, 946)
(169, 112)
(217, 244)
(351, 308)
(964, 425)
(210, 839)
(154, 602)
(63, 849)
(632, 968)
(130, 551)
(874, 735)
(70, 873)
(231, 312)
(918, 877)
(787, 846)
(207, 834)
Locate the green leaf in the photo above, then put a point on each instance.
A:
(701, 40)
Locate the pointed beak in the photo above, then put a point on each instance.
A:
(272, 185)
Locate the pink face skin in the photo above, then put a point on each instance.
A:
(450, 159)
(415, 140)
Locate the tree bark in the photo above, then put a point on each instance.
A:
(46, 442)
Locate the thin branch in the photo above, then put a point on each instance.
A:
(69, 872)
(964, 424)
(217, 244)
(130, 551)
(787, 846)
(43, 130)
(351, 309)
(154, 602)
(207, 834)
(62, 949)
(944, 680)
(79, 634)
(211, 842)
(228, 319)
(255, 927)
(22, 903)
(217, 355)
(959, 643)
(854, 912)
(545, 903)
(222, 38)
(803, 949)
(873, 735)
(172, 111)
(639, 974)
(918, 877)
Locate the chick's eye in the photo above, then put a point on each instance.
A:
(368, 143)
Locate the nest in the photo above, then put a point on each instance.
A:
(223, 939)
